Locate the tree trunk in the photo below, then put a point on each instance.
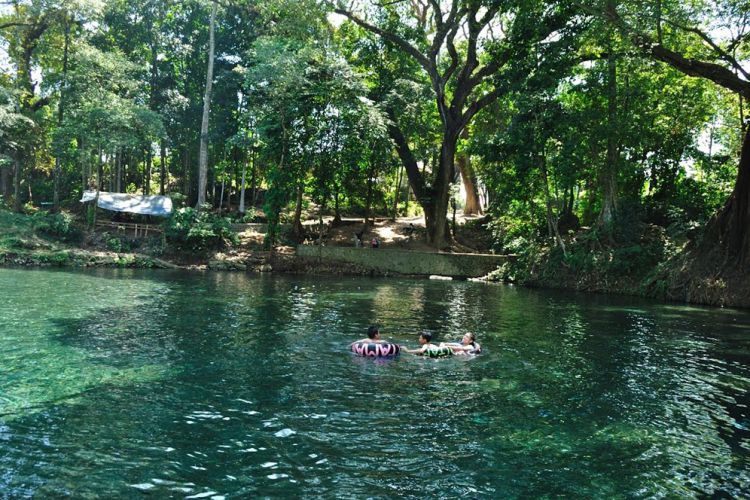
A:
(552, 226)
(436, 213)
(221, 197)
(473, 206)
(60, 116)
(298, 229)
(163, 172)
(337, 206)
(609, 172)
(5, 183)
(17, 171)
(203, 156)
(186, 173)
(729, 229)
(118, 172)
(368, 199)
(253, 180)
(147, 174)
(242, 186)
(397, 194)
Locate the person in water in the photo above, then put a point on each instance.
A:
(425, 341)
(468, 345)
(373, 335)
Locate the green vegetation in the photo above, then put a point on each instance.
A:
(607, 143)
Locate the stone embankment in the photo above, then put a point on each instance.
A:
(384, 262)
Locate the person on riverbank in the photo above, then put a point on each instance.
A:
(468, 345)
(425, 342)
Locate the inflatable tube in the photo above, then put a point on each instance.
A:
(375, 349)
(438, 352)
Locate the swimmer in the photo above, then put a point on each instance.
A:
(468, 345)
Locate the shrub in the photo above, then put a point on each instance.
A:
(196, 230)
(114, 244)
(59, 225)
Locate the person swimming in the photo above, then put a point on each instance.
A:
(468, 345)
(373, 335)
(425, 342)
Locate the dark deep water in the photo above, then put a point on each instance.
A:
(123, 383)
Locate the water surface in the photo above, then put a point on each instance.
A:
(122, 383)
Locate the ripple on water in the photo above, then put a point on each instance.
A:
(206, 386)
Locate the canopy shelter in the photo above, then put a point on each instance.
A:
(160, 206)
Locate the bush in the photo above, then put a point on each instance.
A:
(118, 245)
(193, 230)
(59, 225)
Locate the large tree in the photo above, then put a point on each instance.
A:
(469, 50)
(664, 33)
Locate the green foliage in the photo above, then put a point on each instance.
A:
(59, 225)
(195, 230)
(118, 245)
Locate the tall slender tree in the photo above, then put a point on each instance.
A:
(203, 155)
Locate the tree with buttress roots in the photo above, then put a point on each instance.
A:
(710, 40)
(471, 51)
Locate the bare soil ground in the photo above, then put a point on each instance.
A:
(403, 233)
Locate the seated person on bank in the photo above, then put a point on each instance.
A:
(373, 336)
(425, 339)
(358, 238)
(468, 345)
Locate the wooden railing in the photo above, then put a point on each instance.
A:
(141, 230)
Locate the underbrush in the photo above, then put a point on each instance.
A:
(627, 256)
(197, 231)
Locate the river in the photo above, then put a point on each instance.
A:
(222, 385)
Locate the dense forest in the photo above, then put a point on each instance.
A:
(602, 138)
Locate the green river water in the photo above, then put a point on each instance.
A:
(121, 383)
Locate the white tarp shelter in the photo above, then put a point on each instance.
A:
(135, 204)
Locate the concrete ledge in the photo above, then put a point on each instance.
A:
(380, 260)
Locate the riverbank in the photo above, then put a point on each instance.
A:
(652, 264)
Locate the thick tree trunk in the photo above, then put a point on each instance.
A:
(434, 201)
(436, 215)
(730, 228)
(203, 156)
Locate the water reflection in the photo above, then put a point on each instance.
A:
(217, 384)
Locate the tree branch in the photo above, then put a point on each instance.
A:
(478, 105)
(692, 67)
(12, 24)
(709, 41)
(396, 40)
(407, 158)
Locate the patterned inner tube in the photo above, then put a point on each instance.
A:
(438, 352)
(375, 349)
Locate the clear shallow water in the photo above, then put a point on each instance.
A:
(117, 383)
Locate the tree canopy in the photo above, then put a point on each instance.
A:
(551, 115)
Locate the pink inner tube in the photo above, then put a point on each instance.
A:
(375, 349)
